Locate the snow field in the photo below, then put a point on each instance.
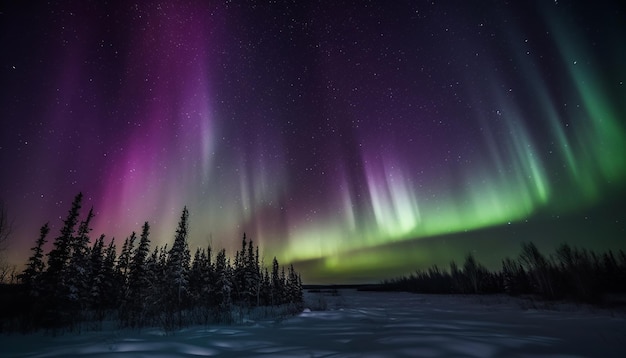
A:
(363, 324)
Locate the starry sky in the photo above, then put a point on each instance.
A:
(356, 139)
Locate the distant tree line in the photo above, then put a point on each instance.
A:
(78, 282)
(568, 273)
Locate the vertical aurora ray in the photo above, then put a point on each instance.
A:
(600, 135)
(393, 201)
(174, 133)
(605, 138)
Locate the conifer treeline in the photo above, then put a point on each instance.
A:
(76, 282)
(568, 273)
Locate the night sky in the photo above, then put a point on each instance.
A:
(358, 140)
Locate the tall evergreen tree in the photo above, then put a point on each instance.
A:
(78, 267)
(195, 277)
(96, 281)
(266, 289)
(239, 272)
(294, 288)
(56, 276)
(277, 286)
(223, 282)
(283, 286)
(177, 267)
(155, 265)
(137, 273)
(123, 264)
(251, 275)
(110, 292)
(35, 267)
(138, 279)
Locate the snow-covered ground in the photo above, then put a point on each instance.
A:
(365, 324)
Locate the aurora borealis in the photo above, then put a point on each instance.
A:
(354, 139)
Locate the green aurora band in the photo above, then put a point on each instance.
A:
(588, 144)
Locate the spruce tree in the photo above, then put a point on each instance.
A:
(277, 287)
(154, 272)
(195, 277)
(258, 277)
(300, 296)
(137, 267)
(138, 280)
(56, 276)
(251, 274)
(266, 289)
(239, 272)
(97, 277)
(110, 292)
(60, 254)
(283, 286)
(35, 267)
(208, 278)
(123, 264)
(78, 267)
(294, 288)
(177, 267)
(223, 282)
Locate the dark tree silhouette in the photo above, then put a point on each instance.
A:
(56, 276)
(223, 284)
(277, 284)
(177, 268)
(97, 277)
(538, 268)
(31, 277)
(166, 287)
(138, 281)
(78, 270)
(123, 264)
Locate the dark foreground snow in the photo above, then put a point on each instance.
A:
(361, 324)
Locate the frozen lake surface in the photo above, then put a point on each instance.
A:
(365, 324)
